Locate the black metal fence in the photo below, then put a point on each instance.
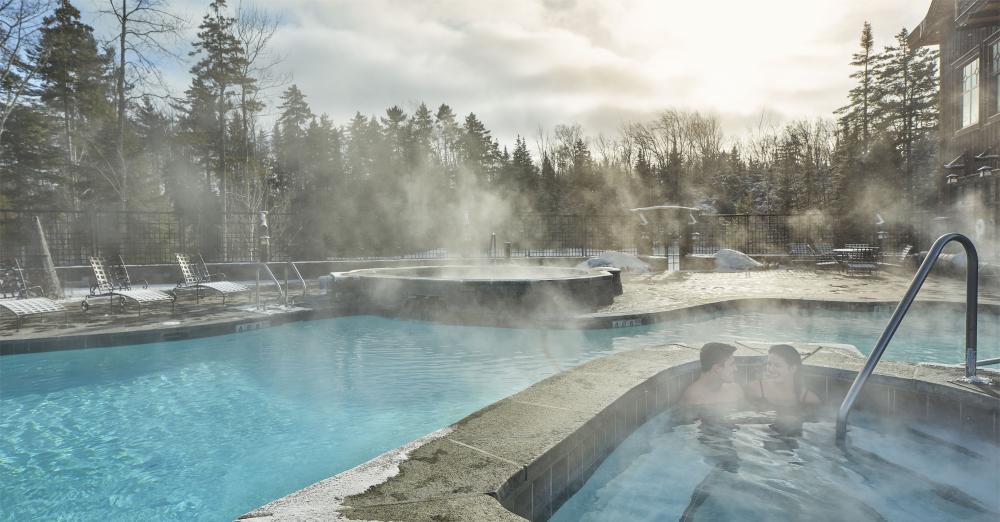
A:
(771, 234)
(153, 237)
(139, 237)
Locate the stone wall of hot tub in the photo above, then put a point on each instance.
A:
(522, 457)
(476, 294)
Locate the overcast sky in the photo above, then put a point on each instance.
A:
(524, 64)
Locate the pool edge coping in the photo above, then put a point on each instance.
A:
(593, 321)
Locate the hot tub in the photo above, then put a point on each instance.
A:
(501, 291)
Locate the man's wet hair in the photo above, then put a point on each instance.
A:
(715, 353)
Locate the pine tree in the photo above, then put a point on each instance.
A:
(421, 131)
(30, 172)
(291, 150)
(215, 78)
(75, 85)
(857, 115)
(907, 101)
(523, 175)
(479, 153)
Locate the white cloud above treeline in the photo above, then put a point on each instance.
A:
(521, 65)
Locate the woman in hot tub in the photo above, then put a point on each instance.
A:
(782, 391)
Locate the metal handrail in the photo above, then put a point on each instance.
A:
(988, 362)
(971, 303)
(299, 275)
(281, 290)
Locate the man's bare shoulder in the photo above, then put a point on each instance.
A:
(692, 392)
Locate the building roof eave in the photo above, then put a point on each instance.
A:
(928, 32)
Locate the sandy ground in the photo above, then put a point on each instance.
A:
(664, 291)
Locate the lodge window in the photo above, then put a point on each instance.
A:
(995, 70)
(970, 93)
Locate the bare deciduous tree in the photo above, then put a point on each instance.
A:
(254, 29)
(143, 26)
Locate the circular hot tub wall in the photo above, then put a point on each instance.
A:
(503, 291)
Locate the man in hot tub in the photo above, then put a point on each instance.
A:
(716, 388)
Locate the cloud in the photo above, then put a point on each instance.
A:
(521, 64)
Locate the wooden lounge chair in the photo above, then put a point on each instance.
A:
(21, 303)
(202, 280)
(121, 286)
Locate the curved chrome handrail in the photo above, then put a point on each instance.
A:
(971, 304)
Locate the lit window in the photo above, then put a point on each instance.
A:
(996, 76)
(970, 93)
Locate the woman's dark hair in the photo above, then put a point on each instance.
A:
(792, 358)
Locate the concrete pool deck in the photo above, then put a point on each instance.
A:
(645, 298)
(522, 457)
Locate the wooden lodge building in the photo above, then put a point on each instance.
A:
(968, 34)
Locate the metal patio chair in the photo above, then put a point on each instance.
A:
(826, 259)
(898, 258)
(202, 279)
(18, 295)
(119, 284)
(862, 260)
(801, 252)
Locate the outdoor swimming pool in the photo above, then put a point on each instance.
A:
(210, 428)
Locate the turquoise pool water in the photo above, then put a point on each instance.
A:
(208, 429)
(746, 472)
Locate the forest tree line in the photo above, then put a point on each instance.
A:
(85, 124)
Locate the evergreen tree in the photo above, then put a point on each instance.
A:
(421, 132)
(523, 176)
(30, 173)
(447, 136)
(907, 102)
(215, 78)
(479, 153)
(857, 115)
(291, 146)
(74, 76)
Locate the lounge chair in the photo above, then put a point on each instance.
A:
(899, 258)
(862, 260)
(827, 260)
(823, 249)
(801, 252)
(202, 280)
(121, 286)
(21, 303)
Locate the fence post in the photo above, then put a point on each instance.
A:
(92, 219)
(747, 229)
